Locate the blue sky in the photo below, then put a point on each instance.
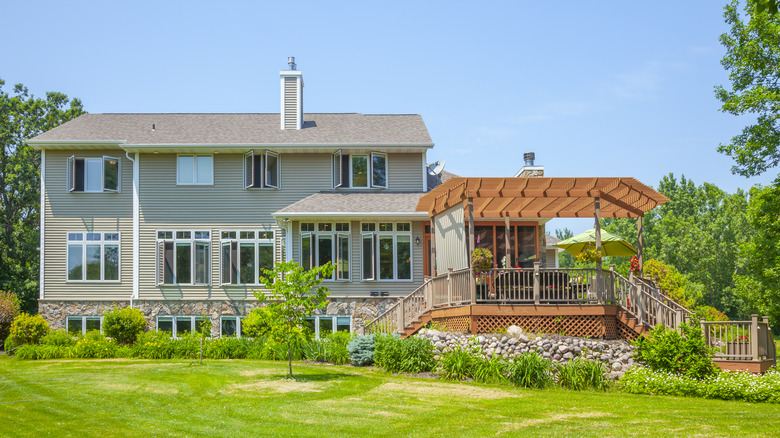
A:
(594, 88)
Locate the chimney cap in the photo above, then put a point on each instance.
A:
(291, 62)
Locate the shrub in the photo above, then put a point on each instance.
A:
(411, 355)
(9, 309)
(314, 350)
(361, 350)
(226, 348)
(58, 338)
(457, 364)
(529, 370)
(123, 324)
(26, 329)
(682, 352)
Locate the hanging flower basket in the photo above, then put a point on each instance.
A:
(588, 255)
(634, 265)
(481, 259)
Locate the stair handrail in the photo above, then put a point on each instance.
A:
(687, 313)
(644, 303)
(403, 312)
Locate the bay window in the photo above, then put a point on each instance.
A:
(386, 251)
(326, 242)
(183, 257)
(93, 256)
(244, 255)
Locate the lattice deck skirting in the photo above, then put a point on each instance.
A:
(584, 321)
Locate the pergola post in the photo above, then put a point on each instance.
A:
(639, 246)
(471, 229)
(433, 248)
(506, 241)
(597, 216)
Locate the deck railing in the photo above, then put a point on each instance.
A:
(740, 340)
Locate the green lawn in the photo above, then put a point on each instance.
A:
(250, 398)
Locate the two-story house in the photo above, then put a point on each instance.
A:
(176, 214)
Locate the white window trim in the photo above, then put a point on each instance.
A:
(83, 322)
(195, 170)
(192, 240)
(256, 241)
(334, 246)
(263, 183)
(102, 242)
(238, 324)
(376, 259)
(337, 156)
(193, 323)
(71, 169)
(335, 323)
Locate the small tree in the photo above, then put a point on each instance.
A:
(9, 308)
(293, 296)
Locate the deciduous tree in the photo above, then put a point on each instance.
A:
(23, 116)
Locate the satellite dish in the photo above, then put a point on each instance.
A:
(437, 167)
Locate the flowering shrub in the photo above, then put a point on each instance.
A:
(634, 265)
(9, 308)
(481, 259)
(95, 345)
(588, 255)
(726, 385)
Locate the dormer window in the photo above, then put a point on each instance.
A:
(93, 174)
(261, 170)
(359, 171)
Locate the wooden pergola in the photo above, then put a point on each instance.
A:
(542, 197)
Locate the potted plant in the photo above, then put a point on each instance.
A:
(588, 255)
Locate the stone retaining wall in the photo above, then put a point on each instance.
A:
(362, 310)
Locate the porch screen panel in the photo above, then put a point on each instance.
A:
(526, 246)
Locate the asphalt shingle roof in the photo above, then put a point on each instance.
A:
(351, 202)
(188, 129)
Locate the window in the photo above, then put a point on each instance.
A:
(93, 256)
(244, 255)
(80, 325)
(93, 174)
(183, 257)
(360, 170)
(179, 325)
(329, 243)
(231, 326)
(195, 169)
(323, 325)
(386, 251)
(261, 170)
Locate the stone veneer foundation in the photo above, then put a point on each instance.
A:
(362, 310)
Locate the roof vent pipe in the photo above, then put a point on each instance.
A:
(529, 158)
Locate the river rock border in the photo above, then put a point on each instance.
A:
(617, 356)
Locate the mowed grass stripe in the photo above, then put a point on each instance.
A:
(252, 398)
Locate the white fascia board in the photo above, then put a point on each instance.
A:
(70, 144)
(356, 215)
(291, 73)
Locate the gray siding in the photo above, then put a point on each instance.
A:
(356, 287)
(227, 205)
(451, 240)
(69, 212)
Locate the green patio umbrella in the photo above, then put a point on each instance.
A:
(611, 245)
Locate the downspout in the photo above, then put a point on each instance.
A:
(136, 226)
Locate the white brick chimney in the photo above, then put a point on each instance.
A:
(292, 96)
